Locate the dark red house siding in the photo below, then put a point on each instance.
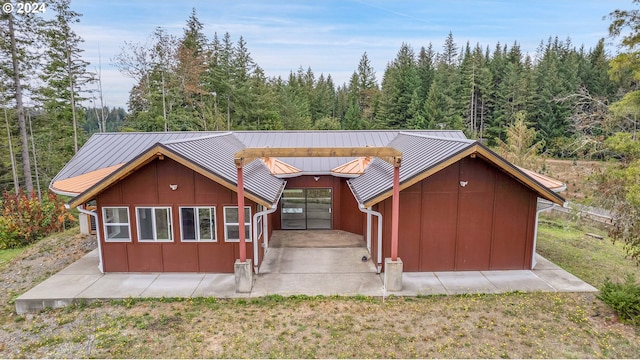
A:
(149, 186)
(344, 209)
(487, 224)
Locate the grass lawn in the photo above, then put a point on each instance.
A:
(8, 254)
(565, 242)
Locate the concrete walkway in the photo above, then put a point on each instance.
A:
(287, 271)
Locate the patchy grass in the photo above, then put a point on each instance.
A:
(488, 326)
(7, 255)
(518, 325)
(565, 242)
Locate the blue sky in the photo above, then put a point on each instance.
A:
(331, 36)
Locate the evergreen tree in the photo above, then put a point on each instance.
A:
(64, 75)
(398, 85)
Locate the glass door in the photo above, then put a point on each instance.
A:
(318, 208)
(306, 209)
(294, 214)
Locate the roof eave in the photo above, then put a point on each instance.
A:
(475, 148)
(151, 154)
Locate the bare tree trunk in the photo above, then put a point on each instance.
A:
(24, 141)
(73, 101)
(35, 157)
(103, 119)
(164, 105)
(14, 172)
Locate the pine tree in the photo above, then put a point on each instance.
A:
(398, 85)
(65, 75)
(20, 58)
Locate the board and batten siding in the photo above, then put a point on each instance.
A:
(149, 186)
(468, 216)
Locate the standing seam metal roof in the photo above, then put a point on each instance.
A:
(419, 153)
(216, 154)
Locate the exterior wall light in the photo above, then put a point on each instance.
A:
(173, 187)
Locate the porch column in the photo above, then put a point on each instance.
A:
(242, 267)
(241, 235)
(393, 266)
(395, 213)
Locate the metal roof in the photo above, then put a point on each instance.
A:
(328, 138)
(215, 154)
(108, 149)
(419, 153)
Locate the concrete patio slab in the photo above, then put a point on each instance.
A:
(317, 260)
(62, 286)
(368, 284)
(563, 281)
(86, 265)
(288, 271)
(118, 286)
(466, 282)
(173, 285)
(420, 284)
(217, 285)
(520, 280)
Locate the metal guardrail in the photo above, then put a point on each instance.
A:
(589, 212)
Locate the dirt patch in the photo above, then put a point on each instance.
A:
(578, 175)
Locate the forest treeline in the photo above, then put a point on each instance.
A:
(195, 82)
(201, 80)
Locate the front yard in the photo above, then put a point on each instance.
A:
(519, 325)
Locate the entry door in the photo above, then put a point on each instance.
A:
(306, 209)
(294, 209)
(318, 208)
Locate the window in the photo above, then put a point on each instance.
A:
(259, 225)
(116, 224)
(198, 223)
(154, 223)
(231, 225)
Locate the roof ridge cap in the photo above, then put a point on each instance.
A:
(169, 142)
(466, 141)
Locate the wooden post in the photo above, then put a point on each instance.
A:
(241, 235)
(395, 212)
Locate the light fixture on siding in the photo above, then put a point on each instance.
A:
(316, 178)
(463, 183)
(173, 187)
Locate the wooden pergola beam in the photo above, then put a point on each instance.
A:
(386, 153)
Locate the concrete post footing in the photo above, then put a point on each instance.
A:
(244, 276)
(393, 274)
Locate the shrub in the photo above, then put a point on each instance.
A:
(624, 298)
(25, 219)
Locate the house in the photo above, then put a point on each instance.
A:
(168, 202)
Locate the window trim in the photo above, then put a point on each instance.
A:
(153, 224)
(247, 221)
(105, 224)
(197, 224)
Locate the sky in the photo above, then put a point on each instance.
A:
(331, 36)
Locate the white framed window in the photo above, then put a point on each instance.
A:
(198, 223)
(231, 225)
(259, 224)
(154, 224)
(116, 224)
